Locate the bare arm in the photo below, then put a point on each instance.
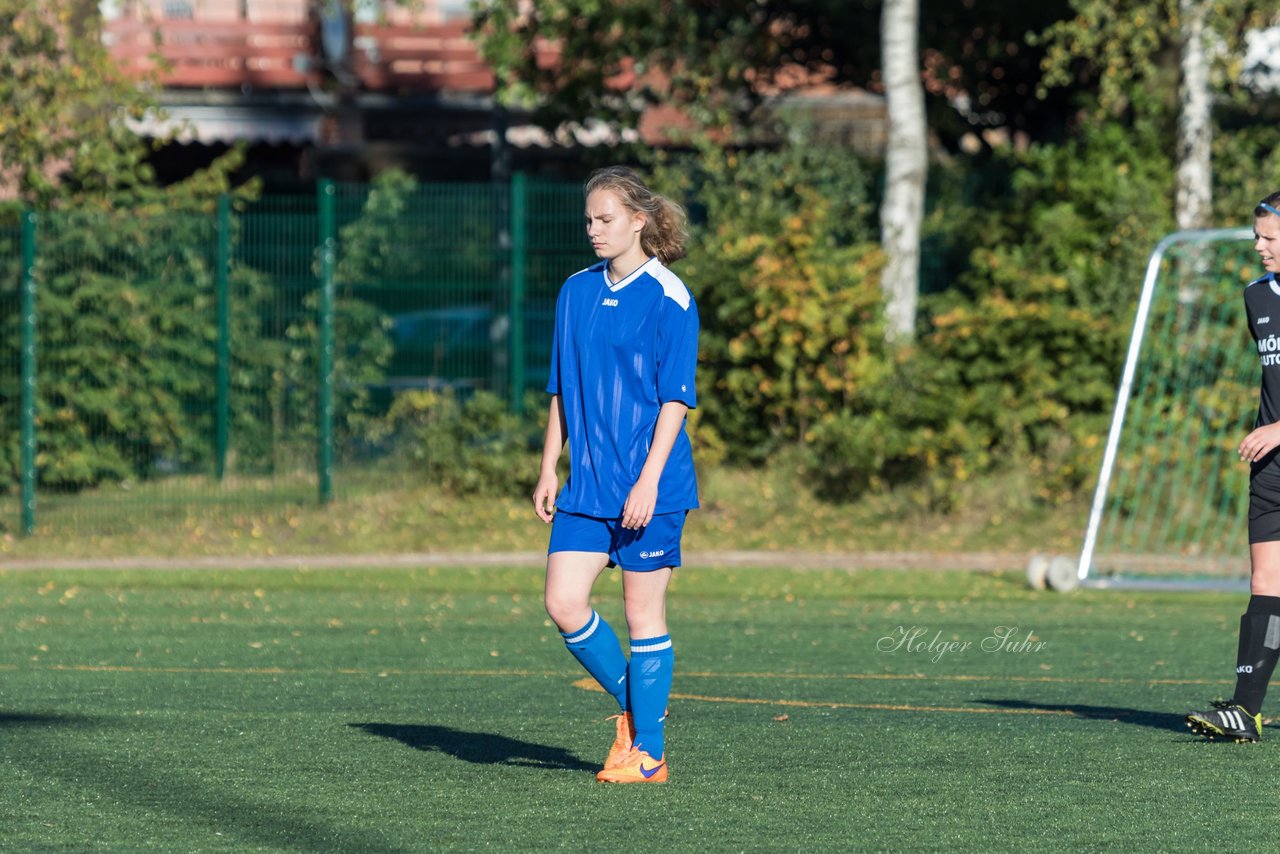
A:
(1260, 442)
(643, 497)
(544, 494)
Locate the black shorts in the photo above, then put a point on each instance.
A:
(1264, 500)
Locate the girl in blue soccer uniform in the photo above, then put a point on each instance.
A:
(621, 384)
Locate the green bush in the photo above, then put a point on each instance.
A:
(1038, 339)
(1246, 169)
(126, 346)
(785, 270)
(471, 446)
(362, 349)
(1016, 364)
(127, 350)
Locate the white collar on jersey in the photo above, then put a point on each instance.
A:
(631, 277)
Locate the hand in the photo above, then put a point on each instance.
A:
(1260, 442)
(638, 509)
(544, 497)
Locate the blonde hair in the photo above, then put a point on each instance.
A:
(665, 230)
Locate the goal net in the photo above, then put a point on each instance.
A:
(1172, 494)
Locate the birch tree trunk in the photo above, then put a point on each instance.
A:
(1194, 194)
(906, 166)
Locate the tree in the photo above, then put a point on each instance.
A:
(64, 111)
(573, 60)
(906, 166)
(1194, 193)
(1123, 54)
(124, 314)
(570, 61)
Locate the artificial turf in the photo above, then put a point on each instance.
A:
(414, 710)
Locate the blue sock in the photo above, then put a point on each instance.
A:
(596, 647)
(649, 675)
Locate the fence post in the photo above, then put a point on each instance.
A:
(519, 245)
(28, 414)
(223, 284)
(324, 461)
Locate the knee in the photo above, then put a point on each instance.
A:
(646, 620)
(1264, 577)
(567, 611)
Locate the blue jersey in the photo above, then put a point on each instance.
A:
(621, 351)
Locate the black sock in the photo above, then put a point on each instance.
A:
(1259, 649)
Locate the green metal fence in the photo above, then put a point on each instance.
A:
(11, 355)
(157, 362)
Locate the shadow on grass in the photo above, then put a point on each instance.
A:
(17, 719)
(256, 807)
(482, 748)
(1117, 714)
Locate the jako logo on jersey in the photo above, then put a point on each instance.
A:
(610, 302)
(1245, 668)
(647, 555)
(1262, 320)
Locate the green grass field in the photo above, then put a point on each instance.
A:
(413, 710)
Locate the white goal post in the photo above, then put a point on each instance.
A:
(1168, 497)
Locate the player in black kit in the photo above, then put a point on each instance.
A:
(1240, 718)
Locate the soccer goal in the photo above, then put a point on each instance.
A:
(1172, 494)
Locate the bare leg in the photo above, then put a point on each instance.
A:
(570, 577)
(1264, 579)
(645, 597)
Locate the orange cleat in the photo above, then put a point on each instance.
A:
(636, 767)
(626, 731)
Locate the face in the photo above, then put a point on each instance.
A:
(613, 228)
(1266, 241)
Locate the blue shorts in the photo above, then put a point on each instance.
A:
(654, 546)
